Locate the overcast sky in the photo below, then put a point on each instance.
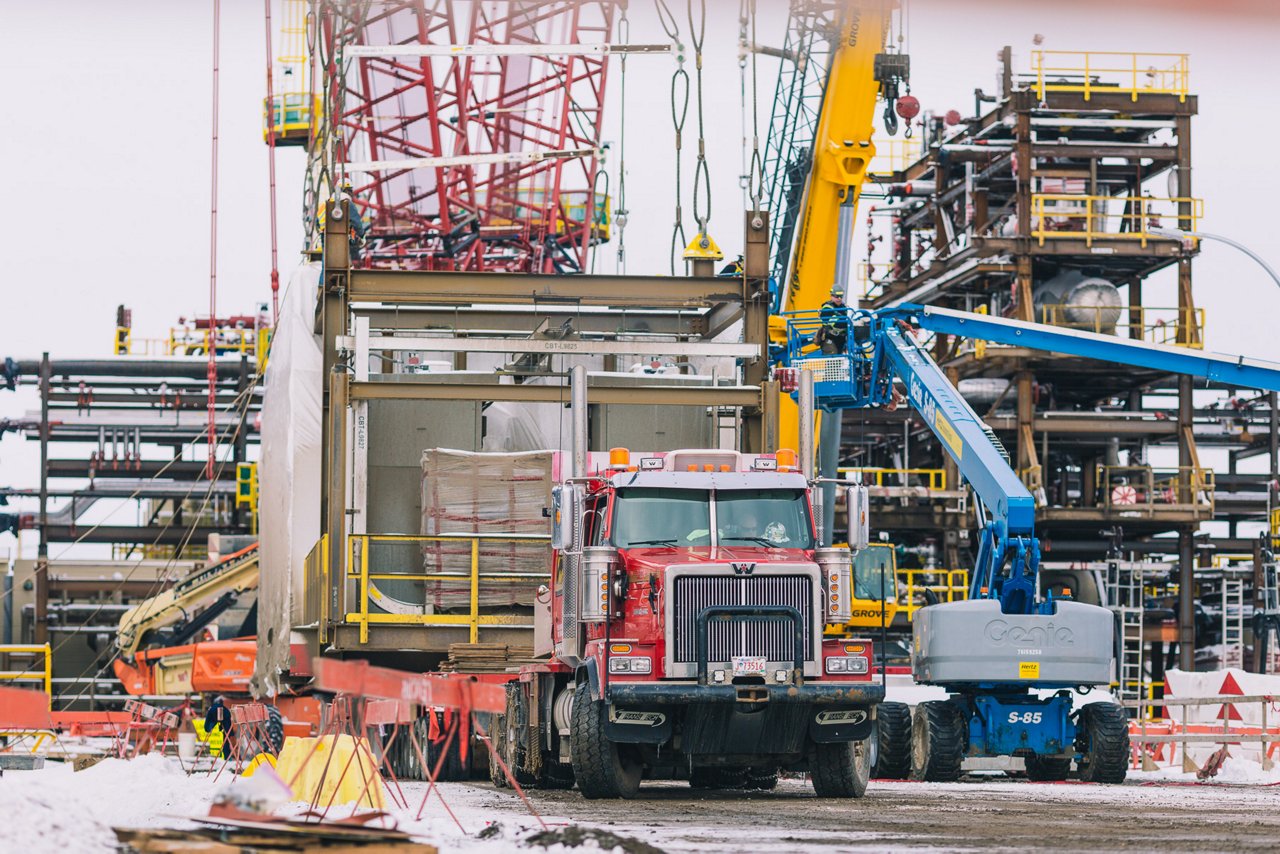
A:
(106, 153)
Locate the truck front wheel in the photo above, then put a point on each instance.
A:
(601, 769)
(840, 770)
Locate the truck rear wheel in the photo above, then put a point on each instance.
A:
(840, 770)
(1103, 743)
(937, 742)
(1047, 769)
(762, 779)
(601, 767)
(893, 726)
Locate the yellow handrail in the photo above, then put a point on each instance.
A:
(934, 478)
(1179, 326)
(358, 570)
(1061, 216)
(950, 585)
(1143, 488)
(1137, 73)
(894, 154)
(44, 675)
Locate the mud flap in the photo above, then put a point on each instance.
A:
(828, 726)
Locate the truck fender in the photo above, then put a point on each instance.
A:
(590, 673)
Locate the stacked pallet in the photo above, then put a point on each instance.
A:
(487, 657)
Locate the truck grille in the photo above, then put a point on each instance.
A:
(773, 639)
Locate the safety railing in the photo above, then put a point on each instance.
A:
(1146, 489)
(949, 585)
(522, 207)
(873, 278)
(1132, 74)
(1226, 560)
(475, 581)
(227, 340)
(1150, 736)
(894, 154)
(1061, 216)
(27, 662)
(1183, 327)
(316, 589)
(876, 476)
(291, 117)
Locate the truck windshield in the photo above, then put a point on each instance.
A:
(662, 517)
(774, 518)
(763, 517)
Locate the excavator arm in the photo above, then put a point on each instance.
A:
(214, 588)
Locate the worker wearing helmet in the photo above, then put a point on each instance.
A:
(833, 335)
(219, 717)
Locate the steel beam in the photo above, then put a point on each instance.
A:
(463, 288)
(494, 320)
(170, 535)
(573, 346)
(645, 395)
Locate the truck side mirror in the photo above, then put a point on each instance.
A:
(566, 517)
(858, 505)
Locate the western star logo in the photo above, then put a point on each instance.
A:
(637, 718)
(854, 716)
(743, 568)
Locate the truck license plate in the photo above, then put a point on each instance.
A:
(749, 665)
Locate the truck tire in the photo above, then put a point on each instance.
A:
(840, 770)
(601, 769)
(1103, 743)
(404, 759)
(1047, 769)
(937, 742)
(498, 745)
(893, 726)
(762, 779)
(274, 726)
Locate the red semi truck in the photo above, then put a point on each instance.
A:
(683, 629)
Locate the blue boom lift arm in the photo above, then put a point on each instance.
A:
(882, 344)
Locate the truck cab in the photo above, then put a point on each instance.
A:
(688, 604)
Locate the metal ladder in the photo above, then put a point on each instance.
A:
(1232, 622)
(1267, 604)
(1124, 597)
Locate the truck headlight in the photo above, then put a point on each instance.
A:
(855, 664)
(630, 664)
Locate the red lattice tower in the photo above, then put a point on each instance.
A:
(501, 128)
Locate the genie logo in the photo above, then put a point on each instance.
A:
(1001, 633)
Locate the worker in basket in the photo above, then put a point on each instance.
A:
(833, 336)
(217, 726)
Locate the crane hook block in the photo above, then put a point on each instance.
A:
(703, 248)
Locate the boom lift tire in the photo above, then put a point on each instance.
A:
(893, 726)
(840, 770)
(937, 742)
(600, 766)
(1047, 769)
(1103, 743)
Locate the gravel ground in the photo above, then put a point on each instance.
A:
(1010, 815)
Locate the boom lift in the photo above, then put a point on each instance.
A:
(1012, 639)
